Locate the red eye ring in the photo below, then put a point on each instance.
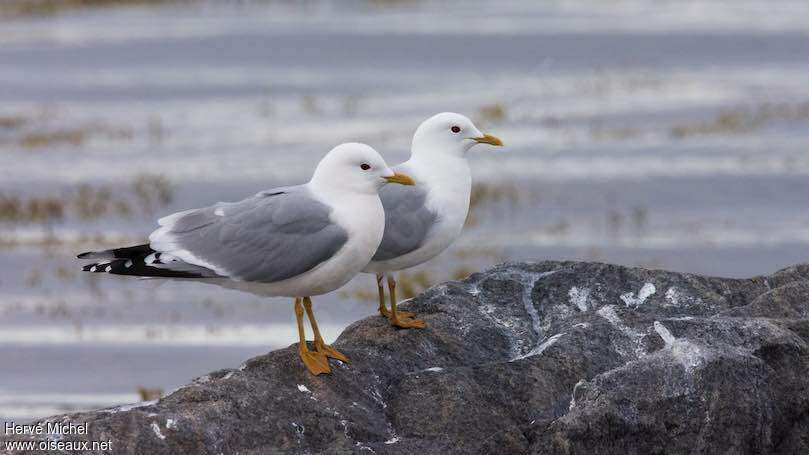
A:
(365, 166)
(455, 129)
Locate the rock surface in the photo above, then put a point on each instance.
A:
(551, 357)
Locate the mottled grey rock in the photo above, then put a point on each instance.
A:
(551, 357)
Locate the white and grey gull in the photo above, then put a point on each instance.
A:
(296, 241)
(424, 219)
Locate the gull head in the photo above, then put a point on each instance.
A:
(449, 133)
(355, 167)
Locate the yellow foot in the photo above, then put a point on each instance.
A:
(316, 362)
(405, 314)
(329, 351)
(406, 322)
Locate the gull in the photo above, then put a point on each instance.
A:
(423, 220)
(294, 241)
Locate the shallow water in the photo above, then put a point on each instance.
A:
(661, 134)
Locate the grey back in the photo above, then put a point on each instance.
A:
(408, 221)
(270, 237)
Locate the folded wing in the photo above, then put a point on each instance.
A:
(270, 237)
(408, 221)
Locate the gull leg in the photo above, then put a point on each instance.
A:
(315, 362)
(320, 345)
(401, 319)
(383, 310)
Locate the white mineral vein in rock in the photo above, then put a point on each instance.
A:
(579, 297)
(645, 292)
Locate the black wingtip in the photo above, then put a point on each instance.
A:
(136, 267)
(84, 255)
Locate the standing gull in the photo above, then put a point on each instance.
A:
(423, 220)
(295, 241)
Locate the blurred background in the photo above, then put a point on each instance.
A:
(667, 134)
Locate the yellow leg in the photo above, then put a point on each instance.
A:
(380, 286)
(383, 309)
(320, 345)
(315, 362)
(401, 319)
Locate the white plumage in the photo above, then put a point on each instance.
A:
(423, 220)
(296, 241)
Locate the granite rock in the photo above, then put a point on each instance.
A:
(549, 357)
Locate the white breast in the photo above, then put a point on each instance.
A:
(449, 183)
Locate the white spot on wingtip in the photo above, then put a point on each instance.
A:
(93, 268)
(109, 267)
(128, 263)
(303, 388)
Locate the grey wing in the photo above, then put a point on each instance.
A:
(271, 237)
(407, 220)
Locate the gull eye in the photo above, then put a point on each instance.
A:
(455, 129)
(365, 166)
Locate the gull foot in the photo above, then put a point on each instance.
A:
(316, 362)
(329, 351)
(407, 323)
(405, 314)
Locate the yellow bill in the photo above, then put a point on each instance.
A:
(488, 139)
(401, 179)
